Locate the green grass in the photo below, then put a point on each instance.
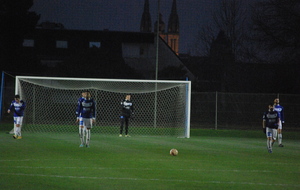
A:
(222, 159)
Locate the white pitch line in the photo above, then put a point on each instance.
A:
(158, 160)
(148, 169)
(165, 180)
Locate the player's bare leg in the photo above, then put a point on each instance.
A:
(269, 144)
(269, 134)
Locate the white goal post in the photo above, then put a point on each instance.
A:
(162, 107)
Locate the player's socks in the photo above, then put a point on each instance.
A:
(18, 131)
(81, 135)
(88, 136)
(20, 134)
(279, 138)
(269, 144)
(15, 129)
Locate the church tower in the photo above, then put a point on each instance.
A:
(146, 19)
(173, 29)
(171, 34)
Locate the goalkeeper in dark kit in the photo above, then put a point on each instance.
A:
(126, 113)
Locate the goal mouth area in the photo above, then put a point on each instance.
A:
(159, 105)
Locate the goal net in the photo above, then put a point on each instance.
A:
(162, 107)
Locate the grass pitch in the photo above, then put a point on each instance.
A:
(222, 159)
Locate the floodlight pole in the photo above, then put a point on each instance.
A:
(156, 65)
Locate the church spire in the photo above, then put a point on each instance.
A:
(173, 29)
(173, 24)
(146, 19)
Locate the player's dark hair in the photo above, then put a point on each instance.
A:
(17, 96)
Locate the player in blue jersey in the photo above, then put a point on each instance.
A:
(18, 107)
(87, 115)
(270, 122)
(83, 95)
(81, 131)
(279, 109)
(126, 114)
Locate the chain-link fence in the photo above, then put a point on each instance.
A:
(218, 110)
(213, 110)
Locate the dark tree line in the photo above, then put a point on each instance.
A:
(266, 32)
(15, 22)
(255, 50)
(276, 30)
(243, 48)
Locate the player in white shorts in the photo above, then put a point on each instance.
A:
(79, 119)
(86, 117)
(17, 106)
(270, 122)
(279, 109)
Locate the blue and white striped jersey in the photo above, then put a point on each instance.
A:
(87, 108)
(279, 109)
(18, 108)
(78, 105)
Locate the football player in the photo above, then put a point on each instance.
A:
(18, 107)
(279, 109)
(87, 115)
(126, 113)
(270, 122)
(81, 131)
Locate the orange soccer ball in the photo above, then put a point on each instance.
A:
(174, 152)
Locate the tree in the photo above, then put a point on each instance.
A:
(230, 17)
(276, 26)
(15, 22)
(222, 56)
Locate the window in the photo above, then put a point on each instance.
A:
(28, 43)
(95, 44)
(61, 44)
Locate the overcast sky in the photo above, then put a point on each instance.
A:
(125, 15)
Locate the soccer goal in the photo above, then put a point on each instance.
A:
(162, 107)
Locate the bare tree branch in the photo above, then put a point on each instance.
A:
(276, 29)
(229, 17)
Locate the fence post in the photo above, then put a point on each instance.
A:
(1, 95)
